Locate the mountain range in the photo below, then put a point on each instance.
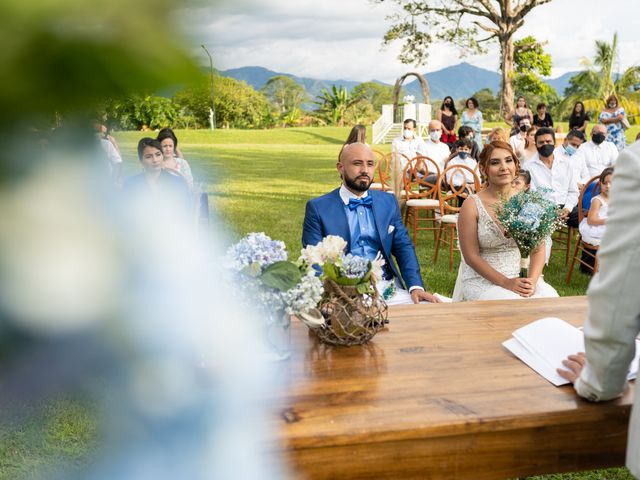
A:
(459, 81)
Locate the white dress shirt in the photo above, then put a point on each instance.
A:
(561, 180)
(437, 151)
(577, 163)
(597, 157)
(408, 148)
(517, 142)
(461, 178)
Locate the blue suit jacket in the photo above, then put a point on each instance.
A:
(326, 216)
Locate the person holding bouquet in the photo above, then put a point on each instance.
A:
(492, 260)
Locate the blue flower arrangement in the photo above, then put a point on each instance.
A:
(528, 217)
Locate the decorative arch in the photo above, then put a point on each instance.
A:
(396, 89)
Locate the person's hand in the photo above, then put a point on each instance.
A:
(575, 364)
(525, 287)
(418, 295)
(564, 214)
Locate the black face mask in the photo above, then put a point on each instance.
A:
(523, 128)
(598, 138)
(546, 150)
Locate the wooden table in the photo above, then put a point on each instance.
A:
(437, 396)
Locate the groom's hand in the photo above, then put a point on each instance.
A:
(418, 295)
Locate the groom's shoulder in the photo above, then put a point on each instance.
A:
(382, 197)
(327, 197)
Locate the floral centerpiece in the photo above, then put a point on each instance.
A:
(282, 288)
(529, 218)
(353, 308)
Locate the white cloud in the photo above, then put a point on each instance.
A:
(341, 39)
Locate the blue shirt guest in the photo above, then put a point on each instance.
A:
(370, 222)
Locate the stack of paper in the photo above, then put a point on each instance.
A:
(545, 343)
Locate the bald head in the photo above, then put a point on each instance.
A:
(354, 151)
(599, 128)
(356, 165)
(435, 125)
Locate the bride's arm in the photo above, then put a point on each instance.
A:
(469, 246)
(537, 262)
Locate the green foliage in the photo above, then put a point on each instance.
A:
(139, 111)
(531, 62)
(489, 104)
(68, 55)
(239, 105)
(286, 97)
(335, 103)
(281, 276)
(375, 94)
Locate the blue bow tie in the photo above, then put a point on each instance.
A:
(356, 202)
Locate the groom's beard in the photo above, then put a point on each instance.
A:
(359, 184)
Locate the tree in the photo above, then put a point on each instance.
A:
(334, 104)
(531, 62)
(374, 93)
(593, 85)
(285, 94)
(458, 22)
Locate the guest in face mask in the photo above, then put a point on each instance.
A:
(552, 173)
(462, 157)
(435, 149)
(596, 154)
(408, 145)
(615, 119)
(517, 140)
(448, 115)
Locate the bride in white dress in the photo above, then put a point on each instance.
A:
(490, 267)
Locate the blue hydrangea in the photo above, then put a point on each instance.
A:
(255, 248)
(354, 266)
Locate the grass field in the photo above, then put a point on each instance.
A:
(258, 180)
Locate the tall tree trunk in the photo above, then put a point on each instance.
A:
(506, 67)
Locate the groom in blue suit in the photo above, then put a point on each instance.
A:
(369, 220)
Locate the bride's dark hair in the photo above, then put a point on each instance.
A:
(487, 151)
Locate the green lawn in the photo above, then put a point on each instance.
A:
(258, 180)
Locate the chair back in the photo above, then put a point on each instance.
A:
(449, 198)
(415, 175)
(383, 169)
(595, 181)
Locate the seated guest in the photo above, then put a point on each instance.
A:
(435, 149)
(154, 179)
(490, 265)
(169, 143)
(522, 181)
(517, 140)
(358, 134)
(542, 118)
(568, 149)
(597, 154)
(408, 145)
(369, 221)
(468, 132)
(462, 157)
(529, 145)
(553, 175)
(497, 134)
(592, 227)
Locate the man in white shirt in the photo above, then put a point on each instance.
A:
(597, 154)
(407, 145)
(517, 140)
(553, 173)
(568, 150)
(436, 150)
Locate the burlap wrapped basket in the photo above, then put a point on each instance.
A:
(351, 317)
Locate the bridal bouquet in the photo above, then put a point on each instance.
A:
(351, 304)
(529, 218)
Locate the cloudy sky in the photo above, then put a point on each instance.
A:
(341, 39)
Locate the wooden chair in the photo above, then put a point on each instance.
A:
(449, 207)
(420, 194)
(581, 245)
(382, 178)
(564, 237)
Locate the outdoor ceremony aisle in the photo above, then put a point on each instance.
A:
(437, 396)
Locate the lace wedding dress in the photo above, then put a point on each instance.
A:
(502, 254)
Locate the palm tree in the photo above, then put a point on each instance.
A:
(595, 84)
(335, 103)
